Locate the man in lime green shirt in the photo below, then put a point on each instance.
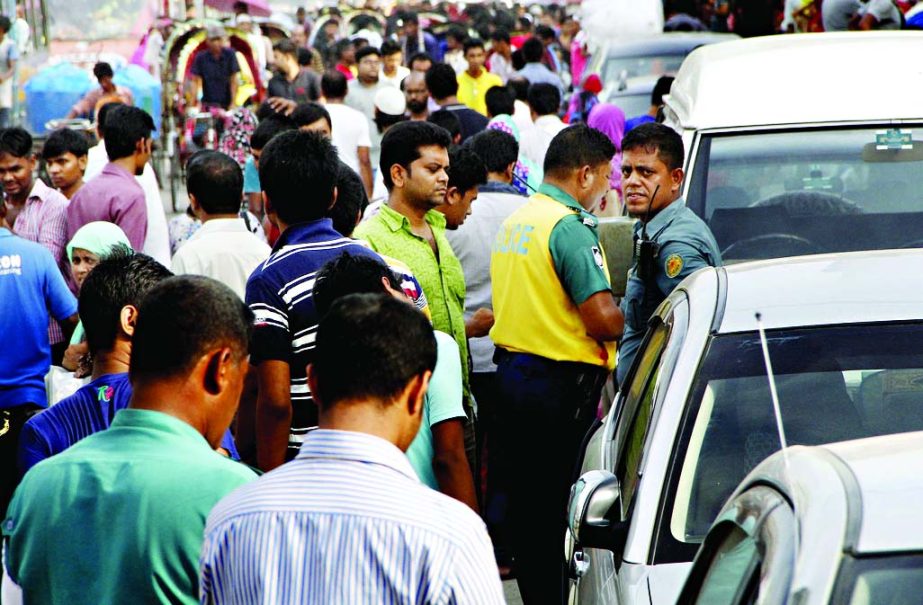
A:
(474, 82)
(119, 517)
(414, 164)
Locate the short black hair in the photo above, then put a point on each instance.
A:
(305, 57)
(501, 34)
(446, 119)
(520, 88)
(340, 47)
(298, 173)
(533, 50)
(657, 137)
(472, 43)
(544, 98)
(410, 17)
(466, 169)
(103, 113)
(306, 114)
(543, 32)
(122, 278)
(421, 56)
(401, 145)
(661, 88)
(333, 85)
(500, 101)
(385, 121)
(390, 47)
(350, 274)
(125, 126)
(216, 181)
(102, 70)
(352, 201)
(5, 23)
(180, 319)
(497, 149)
(358, 357)
(457, 32)
(16, 142)
(268, 128)
(575, 147)
(286, 47)
(441, 81)
(365, 51)
(65, 140)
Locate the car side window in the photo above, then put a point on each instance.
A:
(638, 406)
(732, 577)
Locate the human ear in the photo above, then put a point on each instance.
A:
(676, 177)
(416, 394)
(333, 200)
(453, 196)
(397, 175)
(217, 370)
(128, 319)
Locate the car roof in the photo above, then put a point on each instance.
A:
(799, 79)
(667, 43)
(823, 289)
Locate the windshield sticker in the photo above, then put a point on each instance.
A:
(893, 138)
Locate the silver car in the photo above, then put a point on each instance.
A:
(695, 415)
(837, 524)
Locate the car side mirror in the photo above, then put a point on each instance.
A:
(593, 501)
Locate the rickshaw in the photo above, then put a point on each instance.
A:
(180, 125)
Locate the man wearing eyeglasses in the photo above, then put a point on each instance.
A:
(362, 92)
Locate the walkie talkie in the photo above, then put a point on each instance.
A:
(647, 250)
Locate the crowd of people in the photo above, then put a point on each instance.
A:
(360, 366)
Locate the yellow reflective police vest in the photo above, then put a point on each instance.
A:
(533, 313)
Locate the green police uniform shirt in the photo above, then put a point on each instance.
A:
(686, 245)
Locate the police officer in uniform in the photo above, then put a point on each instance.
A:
(670, 240)
(556, 323)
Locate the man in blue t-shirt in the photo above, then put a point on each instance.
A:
(215, 70)
(109, 301)
(31, 288)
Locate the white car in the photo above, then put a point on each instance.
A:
(803, 144)
(838, 524)
(695, 415)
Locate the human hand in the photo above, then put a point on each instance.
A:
(480, 323)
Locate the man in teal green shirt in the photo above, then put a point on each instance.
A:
(119, 517)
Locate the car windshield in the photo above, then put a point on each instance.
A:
(777, 194)
(895, 580)
(621, 68)
(632, 104)
(834, 384)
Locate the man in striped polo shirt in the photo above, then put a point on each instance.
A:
(298, 173)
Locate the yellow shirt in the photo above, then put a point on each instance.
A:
(473, 91)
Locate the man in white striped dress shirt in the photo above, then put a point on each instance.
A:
(348, 521)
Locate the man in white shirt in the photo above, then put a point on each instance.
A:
(350, 128)
(9, 54)
(157, 240)
(544, 100)
(392, 70)
(223, 248)
(362, 90)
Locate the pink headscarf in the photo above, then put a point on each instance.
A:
(610, 120)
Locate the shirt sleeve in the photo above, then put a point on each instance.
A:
(58, 297)
(131, 215)
(578, 259)
(445, 386)
(196, 68)
(677, 261)
(233, 64)
(33, 448)
(52, 232)
(363, 139)
(474, 577)
(272, 339)
(276, 88)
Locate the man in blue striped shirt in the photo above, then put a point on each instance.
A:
(347, 521)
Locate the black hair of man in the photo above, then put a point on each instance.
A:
(286, 47)
(402, 143)
(544, 99)
(575, 147)
(350, 274)
(16, 142)
(472, 43)
(125, 126)
(121, 278)
(367, 51)
(352, 201)
(466, 170)
(216, 181)
(545, 33)
(384, 121)
(333, 85)
(441, 81)
(65, 140)
(298, 173)
(533, 50)
(181, 319)
(520, 88)
(411, 17)
(448, 120)
(518, 59)
(340, 48)
(497, 149)
(501, 34)
(306, 114)
(661, 88)
(268, 128)
(390, 47)
(500, 101)
(654, 137)
(304, 57)
(102, 70)
(457, 33)
(103, 113)
(5, 24)
(356, 339)
(421, 56)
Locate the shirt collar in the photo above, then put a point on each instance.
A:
(222, 225)
(664, 217)
(39, 191)
(114, 169)
(396, 221)
(559, 195)
(302, 233)
(157, 421)
(498, 187)
(360, 447)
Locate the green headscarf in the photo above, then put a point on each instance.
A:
(98, 237)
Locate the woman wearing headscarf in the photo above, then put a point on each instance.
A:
(91, 244)
(583, 102)
(610, 120)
